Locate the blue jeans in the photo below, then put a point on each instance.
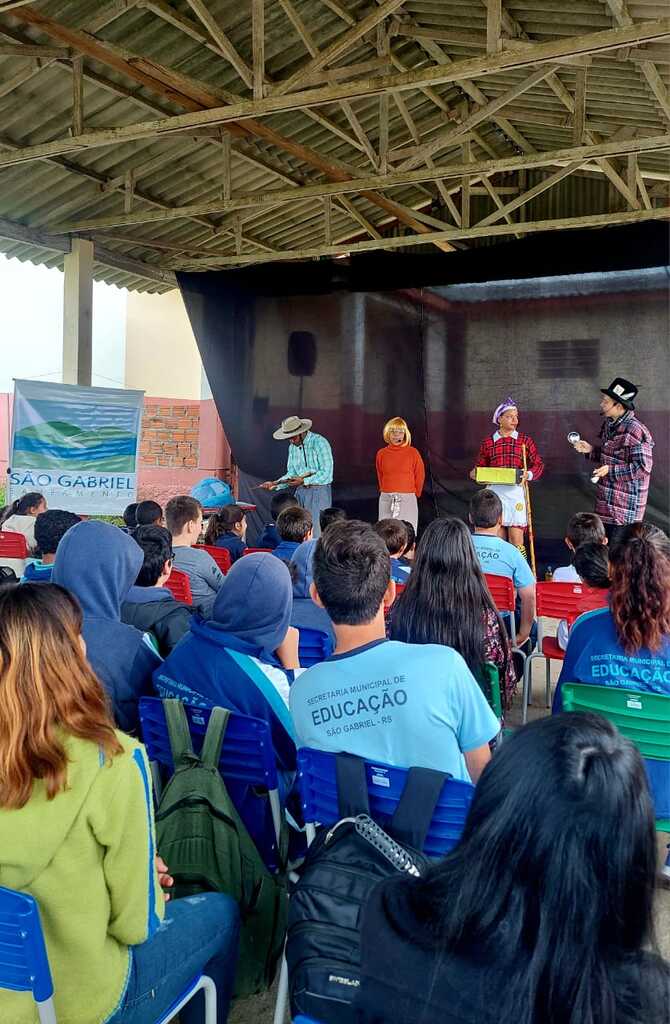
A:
(198, 935)
(315, 498)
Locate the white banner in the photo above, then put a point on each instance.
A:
(77, 446)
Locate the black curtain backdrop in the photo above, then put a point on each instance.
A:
(441, 340)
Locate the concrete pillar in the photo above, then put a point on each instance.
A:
(78, 313)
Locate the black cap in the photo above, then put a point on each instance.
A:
(621, 391)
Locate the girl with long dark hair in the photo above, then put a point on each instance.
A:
(446, 601)
(543, 913)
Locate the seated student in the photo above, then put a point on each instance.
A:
(77, 833)
(627, 645)
(394, 534)
(331, 515)
(407, 557)
(591, 564)
(228, 529)
(129, 517)
(49, 528)
(294, 526)
(480, 938)
(306, 613)
(406, 704)
(499, 558)
(183, 518)
(244, 657)
(149, 605)
(446, 601)
(583, 528)
(279, 501)
(20, 517)
(99, 563)
(149, 513)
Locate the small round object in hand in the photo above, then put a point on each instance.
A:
(573, 437)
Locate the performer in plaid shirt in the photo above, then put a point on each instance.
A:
(309, 467)
(624, 450)
(504, 450)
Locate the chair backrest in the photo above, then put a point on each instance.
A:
(317, 784)
(643, 718)
(568, 600)
(13, 545)
(220, 555)
(247, 762)
(179, 586)
(255, 551)
(501, 590)
(313, 646)
(24, 965)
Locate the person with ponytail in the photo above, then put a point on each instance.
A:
(446, 601)
(19, 517)
(627, 645)
(543, 913)
(77, 833)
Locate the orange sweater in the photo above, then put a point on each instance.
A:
(400, 470)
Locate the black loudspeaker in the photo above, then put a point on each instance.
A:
(301, 354)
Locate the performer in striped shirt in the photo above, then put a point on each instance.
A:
(504, 450)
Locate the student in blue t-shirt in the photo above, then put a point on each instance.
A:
(404, 704)
(50, 526)
(228, 529)
(294, 526)
(628, 644)
(394, 534)
(499, 558)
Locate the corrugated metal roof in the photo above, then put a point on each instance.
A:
(36, 105)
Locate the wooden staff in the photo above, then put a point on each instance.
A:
(531, 535)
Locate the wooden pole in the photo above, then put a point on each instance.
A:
(531, 535)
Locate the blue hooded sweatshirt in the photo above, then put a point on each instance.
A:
(229, 660)
(305, 612)
(98, 563)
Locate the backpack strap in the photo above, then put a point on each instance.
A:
(210, 754)
(414, 813)
(352, 786)
(178, 731)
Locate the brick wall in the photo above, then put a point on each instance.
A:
(170, 435)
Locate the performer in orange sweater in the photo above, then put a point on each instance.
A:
(400, 473)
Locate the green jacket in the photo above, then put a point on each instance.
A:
(87, 857)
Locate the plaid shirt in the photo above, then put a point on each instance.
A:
(507, 453)
(625, 445)
(315, 454)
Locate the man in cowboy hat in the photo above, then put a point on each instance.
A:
(624, 451)
(309, 468)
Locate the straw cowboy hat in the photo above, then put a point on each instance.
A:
(291, 426)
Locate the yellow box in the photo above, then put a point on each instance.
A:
(490, 475)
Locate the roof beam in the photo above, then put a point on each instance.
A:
(222, 41)
(597, 220)
(30, 51)
(532, 193)
(648, 68)
(277, 197)
(339, 46)
(194, 97)
(15, 232)
(245, 110)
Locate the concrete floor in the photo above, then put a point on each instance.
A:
(259, 1009)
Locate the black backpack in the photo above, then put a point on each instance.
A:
(204, 842)
(343, 864)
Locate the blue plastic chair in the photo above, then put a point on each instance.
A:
(24, 964)
(313, 646)
(247, 762)
(317, 785)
